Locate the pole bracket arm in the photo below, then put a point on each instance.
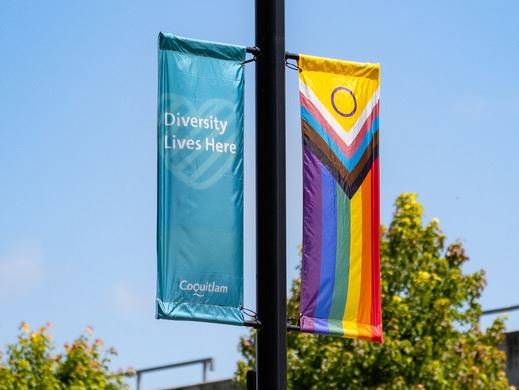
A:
(291, 56)
(253, 50)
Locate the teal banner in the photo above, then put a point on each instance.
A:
(200, 181)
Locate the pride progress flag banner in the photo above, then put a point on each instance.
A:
(340, 293)
(200, 181)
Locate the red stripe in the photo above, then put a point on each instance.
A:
(376, 304)
(347, 150)
(366, 278)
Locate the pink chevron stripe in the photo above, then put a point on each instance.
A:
(347, 150)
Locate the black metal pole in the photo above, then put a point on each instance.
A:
(270, 199)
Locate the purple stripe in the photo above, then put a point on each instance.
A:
(312, 220)
(316, 325)
(329, 244)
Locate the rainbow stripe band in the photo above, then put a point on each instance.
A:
(340, 293)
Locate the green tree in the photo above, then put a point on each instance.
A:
(432, 336)
(31, 364)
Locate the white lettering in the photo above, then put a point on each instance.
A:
(223, 124)
(166, 143)
(209, 144)
(171, 120)
(212, 122)
(198, 288)
(221, 147)
(185, 120)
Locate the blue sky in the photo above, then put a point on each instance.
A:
(78, 86)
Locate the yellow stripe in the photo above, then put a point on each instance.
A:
(354, 278)
(354, 330)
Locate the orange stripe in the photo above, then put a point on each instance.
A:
(364, 313)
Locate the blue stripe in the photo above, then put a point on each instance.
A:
(349, 163)
(328, 244)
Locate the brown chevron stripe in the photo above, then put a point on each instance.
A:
(315, 138)
(349, 181)
(350, 188)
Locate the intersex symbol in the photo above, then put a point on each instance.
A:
(334, 92)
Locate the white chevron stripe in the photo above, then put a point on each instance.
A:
(347, 137)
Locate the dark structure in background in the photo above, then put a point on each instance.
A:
(206, 363)
(226, 384)
(511, 348)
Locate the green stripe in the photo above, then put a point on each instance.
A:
(342, 260)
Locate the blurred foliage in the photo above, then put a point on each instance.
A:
(432, 336)
(31, 364)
